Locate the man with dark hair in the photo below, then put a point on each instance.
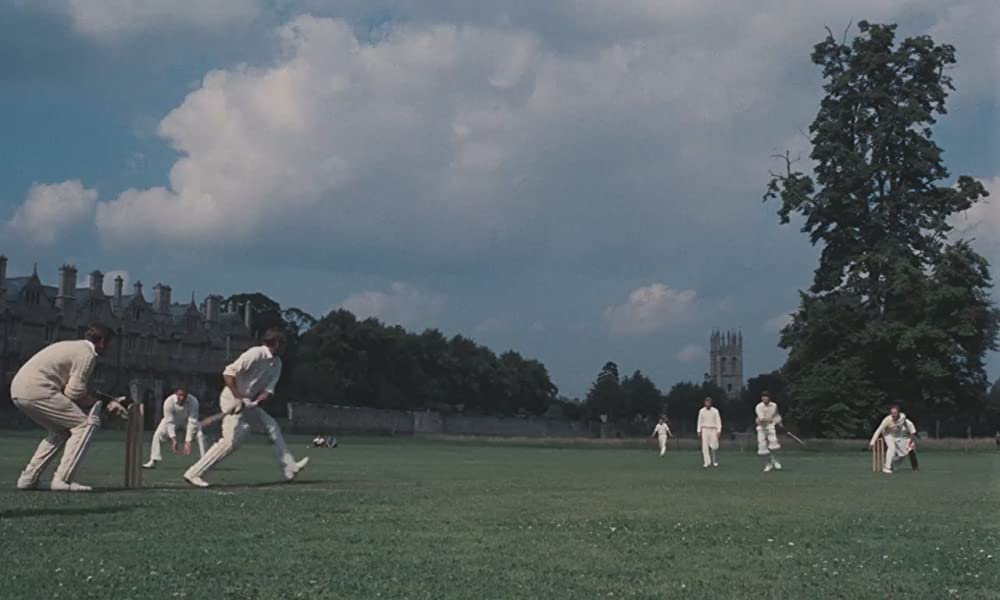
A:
(250, 382)
(709, 430)
(179, 407)
(51, 389)
(899, 434)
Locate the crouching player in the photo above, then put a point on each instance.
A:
(179, 407)
(50, 389)
(768, 420)
(900, 436)
(250, 382)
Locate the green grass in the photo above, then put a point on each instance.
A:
(403, 518)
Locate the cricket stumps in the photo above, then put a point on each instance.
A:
(133, 446)
(878, 456)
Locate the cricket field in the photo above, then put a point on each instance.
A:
(408, 518)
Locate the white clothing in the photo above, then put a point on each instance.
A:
(44, 389)
(768, 418)
(709, 428)
(175, 413)
(257, 370)
(59, 368)
(898, 434)
(662, 431)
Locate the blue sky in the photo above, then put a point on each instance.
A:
(577, 180)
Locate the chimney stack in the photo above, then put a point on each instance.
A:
(97, 284)
(138, 289)
(67, 287)
(119, 283)
(212, 308)
(247, 308)
(161, 298)
(3, 280)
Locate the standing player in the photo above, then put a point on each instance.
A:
(899, 434)
(50, 389)
(709, 430)
(178, 408)
(768, 420)
(662, 431)
(250, 382)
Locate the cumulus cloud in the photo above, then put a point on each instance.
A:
(401, 304)
(982, 221)
(116, 19)
(691, 353)
(650, 309)
(51, 211)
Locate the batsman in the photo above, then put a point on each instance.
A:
(51, 389)
(250, 382)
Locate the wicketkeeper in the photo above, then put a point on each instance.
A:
(899, 434)
(179, 407)
(51, 389)
(768, 419)
(250, 382)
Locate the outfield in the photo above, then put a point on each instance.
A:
(403, 518)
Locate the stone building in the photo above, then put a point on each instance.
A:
(160, 344)
(726, 356)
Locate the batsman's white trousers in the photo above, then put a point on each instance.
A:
(162, 434)
(663, 444)
(67, 425)
(234, 429)
(709, 445)
(767, 439)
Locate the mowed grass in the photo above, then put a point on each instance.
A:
(405, 518)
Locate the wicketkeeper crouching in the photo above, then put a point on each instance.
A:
(50, 389)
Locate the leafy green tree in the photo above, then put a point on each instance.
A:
(685, 399)
(604, 396)
(897, 312)
(640, 396)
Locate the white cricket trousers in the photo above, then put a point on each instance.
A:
(162, 434)
(710, 446)
(663, 444)
(235, 428)
(67, 425)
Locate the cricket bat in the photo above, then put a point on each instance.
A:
(211, 420)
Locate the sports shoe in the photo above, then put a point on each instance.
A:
(715, 464)
(886, 471)
(151, 464)
(27, 484)
(58, 485)
(293, 469)
(768, 468)
(195, 481)
(777, 466)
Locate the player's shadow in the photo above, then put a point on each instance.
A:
(266, 484)
(24, 513)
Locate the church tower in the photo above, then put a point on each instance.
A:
(726, 368)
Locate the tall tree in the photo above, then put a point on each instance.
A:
(604, 396)
(897, 310)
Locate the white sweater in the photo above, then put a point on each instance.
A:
(60, 368)
(709, 418)
(174, 414)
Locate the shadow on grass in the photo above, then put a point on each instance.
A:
(22, 513)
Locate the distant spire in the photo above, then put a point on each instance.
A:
(192, 299)
(34, 272)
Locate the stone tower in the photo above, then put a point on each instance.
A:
(726, 368)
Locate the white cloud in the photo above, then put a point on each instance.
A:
(982, 221)
(778, 322)
(51, 211)
(650, 309)
(116, 19)
(401, 304)
(691, 353)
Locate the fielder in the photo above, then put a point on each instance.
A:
(662, 431)
(900, 435)
(51, 389)
(709, 430)
(250, 382)
(768, 419)
(177, 408)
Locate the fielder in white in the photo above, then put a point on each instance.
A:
(179, 407)
(709, 430)
(250, 382)
(768, 419)
(51, 389)
(899, 434)
(662, 431)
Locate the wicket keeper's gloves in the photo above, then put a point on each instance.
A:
(117, 408)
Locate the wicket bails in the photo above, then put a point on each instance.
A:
(133, 446)
(878, 456)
